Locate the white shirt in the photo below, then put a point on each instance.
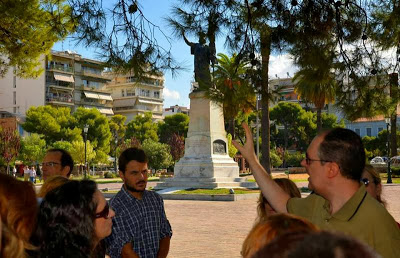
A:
(32, 172)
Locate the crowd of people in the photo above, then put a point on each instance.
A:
(344, 216)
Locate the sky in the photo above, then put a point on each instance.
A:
(177, 88)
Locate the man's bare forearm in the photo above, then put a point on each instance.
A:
(164, 247)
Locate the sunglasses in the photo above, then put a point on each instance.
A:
(104, 213)
(365, 181)
(50, 164)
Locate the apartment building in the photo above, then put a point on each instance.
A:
(134, 97)
(74, 81)
(69, 80)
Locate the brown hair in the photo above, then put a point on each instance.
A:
(52, 183)
(287, 185)
(265, 231)
(377, 181)
(18, 209)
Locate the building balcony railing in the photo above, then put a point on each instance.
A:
(57, 84)
(60, 68)
(60, 99)
(92, 74)
(90, 88)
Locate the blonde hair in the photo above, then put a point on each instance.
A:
(18, 209)
(287, 185)
(265, 231)
(377, 181)
(50, 184)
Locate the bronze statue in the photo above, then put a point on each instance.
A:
(203, 55)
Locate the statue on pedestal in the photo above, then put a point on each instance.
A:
(203, 55)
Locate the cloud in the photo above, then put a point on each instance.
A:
(171, 94)
(281, 65)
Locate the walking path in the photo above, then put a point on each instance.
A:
(217, 229)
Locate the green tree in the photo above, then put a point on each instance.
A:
(99, 133)
(62, 145)
(158, 154)
(28, 30)
(142, 127)
(33, 149)
(173, 124)
(296, 122)
(231, 149)
(78, 152)
(53, 124)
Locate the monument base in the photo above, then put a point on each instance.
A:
(206, 163)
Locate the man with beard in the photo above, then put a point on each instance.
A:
(334, 162)
(140, 226)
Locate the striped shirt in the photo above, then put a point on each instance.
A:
(140, 222)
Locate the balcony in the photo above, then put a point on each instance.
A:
(60, 68)
(93, 74)
(64, 100)
(60, 85)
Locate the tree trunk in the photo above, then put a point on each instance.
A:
(393, 118)
(319, 120)
(231, 127)
(265, 96)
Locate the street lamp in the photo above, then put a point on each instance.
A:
(115, 151)
(85, 130)
(389, 179)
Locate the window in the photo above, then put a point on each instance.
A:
(130, 92)
(157, 94)
(357, 130)
(369, 131)
(15, 81)
(15, 98)
(145, 93)
(123, 93)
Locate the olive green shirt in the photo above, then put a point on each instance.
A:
(362, 217)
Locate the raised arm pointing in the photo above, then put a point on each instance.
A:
(271, 191)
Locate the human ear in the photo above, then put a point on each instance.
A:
(333, 169)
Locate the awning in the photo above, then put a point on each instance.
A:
(64, 77)
(91, 95)
(149, 102)
(107, 111)
(105, 97)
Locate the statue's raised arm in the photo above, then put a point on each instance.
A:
(202, 58)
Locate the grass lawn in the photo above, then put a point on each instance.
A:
(216, 191)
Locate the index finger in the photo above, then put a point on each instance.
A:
(247, 130)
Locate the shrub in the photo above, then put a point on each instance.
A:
(294, 159)
(109, 175)
(276, 161)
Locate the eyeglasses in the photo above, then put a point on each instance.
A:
(104, 213)
(308, 160)
(365, 181)
(50, 164)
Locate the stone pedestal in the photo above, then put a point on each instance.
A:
(206, 163)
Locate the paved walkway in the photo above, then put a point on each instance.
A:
(217, 229)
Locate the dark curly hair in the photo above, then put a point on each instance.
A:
(66, 221)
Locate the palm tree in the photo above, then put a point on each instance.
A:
(315, 82)
(232, 88)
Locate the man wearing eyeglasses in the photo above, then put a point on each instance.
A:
(57, 162)
(140, 226)
(334, 161)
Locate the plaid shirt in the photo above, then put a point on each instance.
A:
(142, 222)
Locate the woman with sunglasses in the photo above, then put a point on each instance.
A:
(373, 184)
(72, 221)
